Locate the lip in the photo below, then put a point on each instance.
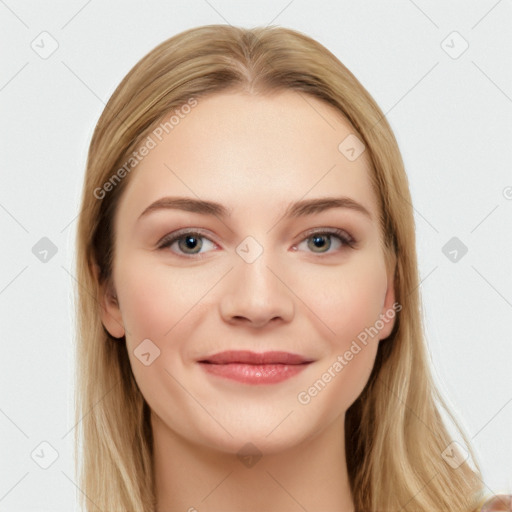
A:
(253, 367)
(248, 357)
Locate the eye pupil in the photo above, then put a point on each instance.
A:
(319, 241)
(191, 242)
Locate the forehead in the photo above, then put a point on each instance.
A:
(246, 151)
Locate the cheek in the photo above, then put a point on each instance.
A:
(155, 300)
(160, 303)
(350, 305)
(156, 297)
(147, 307)
(351, 300)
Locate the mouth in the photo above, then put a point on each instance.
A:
(253, 367)
(256, 358)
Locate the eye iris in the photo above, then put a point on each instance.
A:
(318, 239)
(191, 242)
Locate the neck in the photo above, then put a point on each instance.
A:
(194, 478)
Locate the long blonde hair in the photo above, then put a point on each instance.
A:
(394, 434)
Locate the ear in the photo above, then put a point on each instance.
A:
(389, 308)
(109, 306)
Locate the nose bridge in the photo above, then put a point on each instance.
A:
(254, 291)
(256, 274)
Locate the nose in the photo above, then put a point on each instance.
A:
(255, 294)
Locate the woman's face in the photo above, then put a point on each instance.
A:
(262, 270)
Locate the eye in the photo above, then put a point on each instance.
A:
(188, 242)
(320, 241)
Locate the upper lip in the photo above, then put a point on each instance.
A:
(248, 357)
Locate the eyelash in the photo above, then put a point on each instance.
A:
(346, 240)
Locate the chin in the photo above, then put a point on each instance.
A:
(256, 440)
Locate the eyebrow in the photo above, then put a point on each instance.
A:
(298, 209)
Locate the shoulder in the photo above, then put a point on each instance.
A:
(498, 503)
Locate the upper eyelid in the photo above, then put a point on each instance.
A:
(182, 232)
(176, 235)
(328, 231)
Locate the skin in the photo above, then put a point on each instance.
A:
(255, 155)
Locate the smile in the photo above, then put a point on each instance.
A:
(254, 368)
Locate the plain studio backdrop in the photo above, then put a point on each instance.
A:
(442, 75)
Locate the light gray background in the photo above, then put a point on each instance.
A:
(453, 121)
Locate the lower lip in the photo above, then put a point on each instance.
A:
(254, 373)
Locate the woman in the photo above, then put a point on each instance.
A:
(249, 316)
